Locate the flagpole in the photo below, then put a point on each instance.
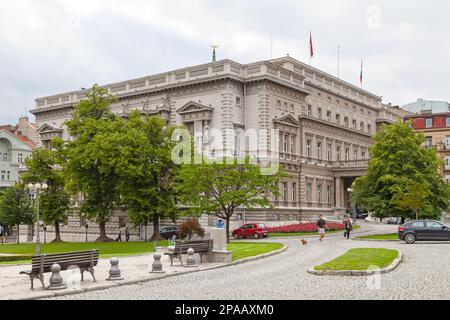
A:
(339, 48)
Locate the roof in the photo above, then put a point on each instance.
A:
(433, 105)
(22, 138)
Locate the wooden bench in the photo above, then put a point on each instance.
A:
(202, 247)
(84, 260)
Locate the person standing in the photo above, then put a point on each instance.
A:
(127, 234)
(321, 224)
(348, 225)
(2, 234)
(119, 237)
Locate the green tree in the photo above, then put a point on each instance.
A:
(220, 188)
(54, 203)
(146, 171)
(16, 207)
(403, 176)
(89, 155)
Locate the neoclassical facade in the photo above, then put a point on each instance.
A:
(325, 124)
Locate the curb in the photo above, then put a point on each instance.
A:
(142, 280)
(375, 240)
(359, 273)
(334, 234)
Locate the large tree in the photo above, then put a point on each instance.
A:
(221, 188)
(89, 154)
(146, 170)
(403, 177)
(16, 207)
(54, 203)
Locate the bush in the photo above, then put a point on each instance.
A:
(189, 228)
(15, 258)
(305, 227)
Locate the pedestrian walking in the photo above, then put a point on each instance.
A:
(321, 224)
(348, 227)
(127, 234)
(2, 234)
(119, 237)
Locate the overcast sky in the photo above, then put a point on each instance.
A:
(53, 46)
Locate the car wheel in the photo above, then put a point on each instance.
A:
(409, 238)
(235, 236)
(256, 236)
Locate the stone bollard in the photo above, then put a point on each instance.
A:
(157, 266)
(114, 271)
(191, 261)
(56, 280)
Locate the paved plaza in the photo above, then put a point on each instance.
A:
(424, 274)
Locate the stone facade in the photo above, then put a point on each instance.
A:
(325, 124)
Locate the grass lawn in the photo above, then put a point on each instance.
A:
(392, 236)
(106, 249)
(302, 234)
(361, 259)
(249, 249)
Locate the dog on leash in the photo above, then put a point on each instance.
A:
(304, 242)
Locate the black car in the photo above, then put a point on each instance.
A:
(423, 230)
(169, 232)
(361, 215)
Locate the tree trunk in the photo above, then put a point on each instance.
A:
(57, 233)
(103, 237)
(145, 237)
(227, 228)
(18, 233)
(156, 235)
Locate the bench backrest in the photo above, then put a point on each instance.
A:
(197, 245)
(65, 260)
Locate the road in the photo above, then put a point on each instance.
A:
(424, 274)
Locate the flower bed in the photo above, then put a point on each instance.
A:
(305, 227)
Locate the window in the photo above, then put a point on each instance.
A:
(346, 121)
(308, 148)
(308, 192)
(418, 224)
(328, 194)
(447, 121)
(428, 142)
(238, 100)
(338, 153)
(347, 151)
(285, 191)
(434, 225)
(294, 191)
(354, 124)
(285, 106)
(338, 119)
(319, 150)
(278, 105)
(447, 163)
(319, 193)
(363, 155)
(309, 110)
(5, 157)
(429, 123)
(369, 128)
(361, 126)
(319, 113)
(329, 152)
(329, 116)
(3, 175)
(285, 143)
(292, 108)
(20, 158)
(355, 154)
(292, 147)
(8, 175)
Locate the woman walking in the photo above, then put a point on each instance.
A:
(348, 225)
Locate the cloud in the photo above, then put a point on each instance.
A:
(62, 45)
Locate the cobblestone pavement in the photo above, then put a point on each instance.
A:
(424, 274)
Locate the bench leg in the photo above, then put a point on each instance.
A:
(181, 259)
(32, 281)
(91, 271)
(41, 278)
(82, 274)
(171, 261)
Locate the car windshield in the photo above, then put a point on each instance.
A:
(262, 225)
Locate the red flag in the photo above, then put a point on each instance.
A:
(311, 48)
(361, 74)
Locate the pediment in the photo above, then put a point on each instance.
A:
(287, 119)
(48, 128)
(192, 106)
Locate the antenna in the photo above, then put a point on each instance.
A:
(214, 47)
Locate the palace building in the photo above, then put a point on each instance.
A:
(325, 124)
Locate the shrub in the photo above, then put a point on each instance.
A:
(15, 258)
(189, 228)
(305, 227)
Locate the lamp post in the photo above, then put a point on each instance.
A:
(36, 188)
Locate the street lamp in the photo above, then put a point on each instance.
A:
(36, 188)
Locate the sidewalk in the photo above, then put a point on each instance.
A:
(134, 269)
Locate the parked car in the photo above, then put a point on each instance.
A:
(393, 221)
(254, 230)
(361, 215)
(169, 231)
(423, 230)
